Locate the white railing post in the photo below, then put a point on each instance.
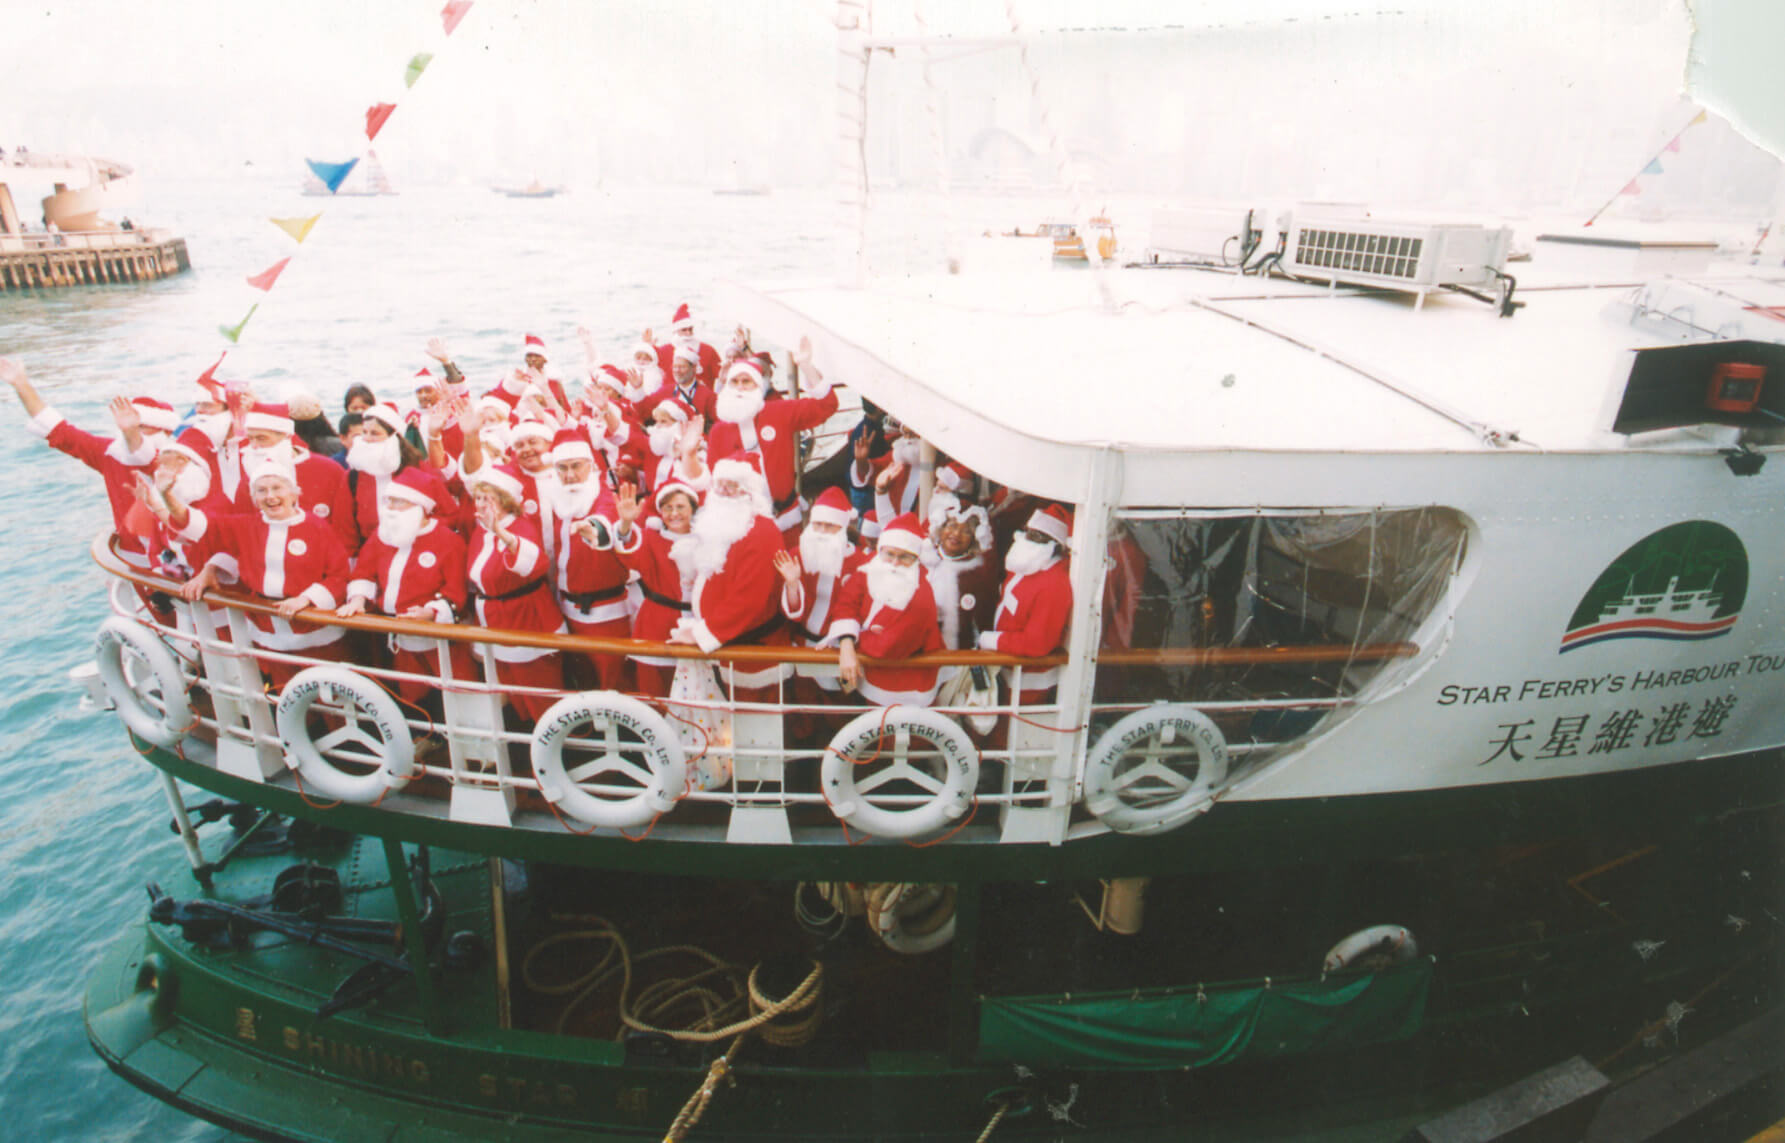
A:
(474, 735)
(260, 756)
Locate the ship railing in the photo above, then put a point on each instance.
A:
(83, 240)
(709, 767)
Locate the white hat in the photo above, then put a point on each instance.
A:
(387, 416)
(902, 535)
(499, 477)
(269, 466)
(746, 366)
(532, 429)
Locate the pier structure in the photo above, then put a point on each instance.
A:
(76, 247)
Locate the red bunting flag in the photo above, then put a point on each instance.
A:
(1674, 144)
(454, 12)
(1632, 187)
(264, 280)
(375, 117)
(208, 379)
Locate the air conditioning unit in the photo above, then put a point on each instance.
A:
(1413, 257)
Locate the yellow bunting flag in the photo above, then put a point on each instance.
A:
(298, 228)
(234, 332)
(1697, 119)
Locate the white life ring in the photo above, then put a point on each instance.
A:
(1152, 795)
(660, 781)
(162, 725)
(391, 753)
(1372, 949)
(910, 918)
(853, 801)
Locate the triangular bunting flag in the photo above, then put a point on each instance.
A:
(331, 174)
(1654, 167)
(1673, 145)
(375, 117)
(208, 379)
(264, 280)
(1697, 119)
(418, 63)
(1632, 187)
(298, 228)
(454, 12)
(234, 332)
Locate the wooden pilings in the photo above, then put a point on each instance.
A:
(91, 265)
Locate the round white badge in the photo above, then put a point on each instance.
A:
(967, 602)
(297, 547)
(321, 510)
(531, 508)
(767, 432)
(426, 559)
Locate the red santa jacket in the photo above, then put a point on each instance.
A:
(590, 582)
(773, 433)
(322, 493)
(646, 550)
(890, 633)
(367, 492)
(741, 601)
(427, 572)
(811, 612)
(115, 464)
(700, 398)
(900, 495)
(1032, 618)
(966, 599)
(511, 590)
(276, 560)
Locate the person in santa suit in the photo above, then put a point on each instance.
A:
(685, 385)
(279, 552)
(885, 610)
(646, 549)
(682, 337)
(729, 554)
(530, 451)
(677, 448)
(143, 423)
(1037, 601)
(645, 375)
(962, 573)
(541, 373)
(510, 581)
(412, 566)
(268, 436)
(612, 423)
(589, 578)
(180, 471)
(750, 423)
(893, 477)
(811, 583)
(379, 453)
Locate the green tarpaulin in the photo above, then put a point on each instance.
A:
(1188, 1028)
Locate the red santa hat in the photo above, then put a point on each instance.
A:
(669, 487)
(954, 476)
(425, 380)
(272, 418)
(571, 444)
(489, 403)
(412, 485)
(691, 356)
(1054, 522)
(532, 429)
(681, 410)
(645, 349)
(502, 477)
(191, 444)
(744, 366)
(272, 466)
(832, 507)
(157, 415)
(533, 345)
(684, 318)
(386, 415)
(745, 468)
(611, 376)
(904, 534)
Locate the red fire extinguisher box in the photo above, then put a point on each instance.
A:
(1734, 387)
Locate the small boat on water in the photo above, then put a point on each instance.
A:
(534, 189)
(366, 180)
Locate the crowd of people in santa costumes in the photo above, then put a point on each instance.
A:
(658, 498)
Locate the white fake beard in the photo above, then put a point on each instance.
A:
(663, 438)
(494, 440)
(281, 453)
(1026, 557)
(650, 378)
(823, 554)
(399, 528)
(375, 458)
(719, 524)
(215, 426)
(890, 585)
(192, 485)
(908, 451)
(573, 501)
(735, 407)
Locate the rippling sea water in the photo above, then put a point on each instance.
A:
(83, 823)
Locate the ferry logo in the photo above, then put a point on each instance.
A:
(1686, 582)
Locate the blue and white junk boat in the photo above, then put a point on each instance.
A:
(1416, 738)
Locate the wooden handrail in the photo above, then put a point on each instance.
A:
(108, 560)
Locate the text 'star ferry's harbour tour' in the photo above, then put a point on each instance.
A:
(1359, 721)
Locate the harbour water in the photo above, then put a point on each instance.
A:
(83, 823)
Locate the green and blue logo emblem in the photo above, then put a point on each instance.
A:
(1685, 582)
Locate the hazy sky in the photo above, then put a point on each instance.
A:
(694, 90)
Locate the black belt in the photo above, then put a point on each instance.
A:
(587, 599)
(666, 601)
(811, 636)
(760, 632)
(525, 589)
(783, 505)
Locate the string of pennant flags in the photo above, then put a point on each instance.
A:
(331, 175)
(1652, 167)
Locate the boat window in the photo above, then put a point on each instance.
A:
(1270, 620)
